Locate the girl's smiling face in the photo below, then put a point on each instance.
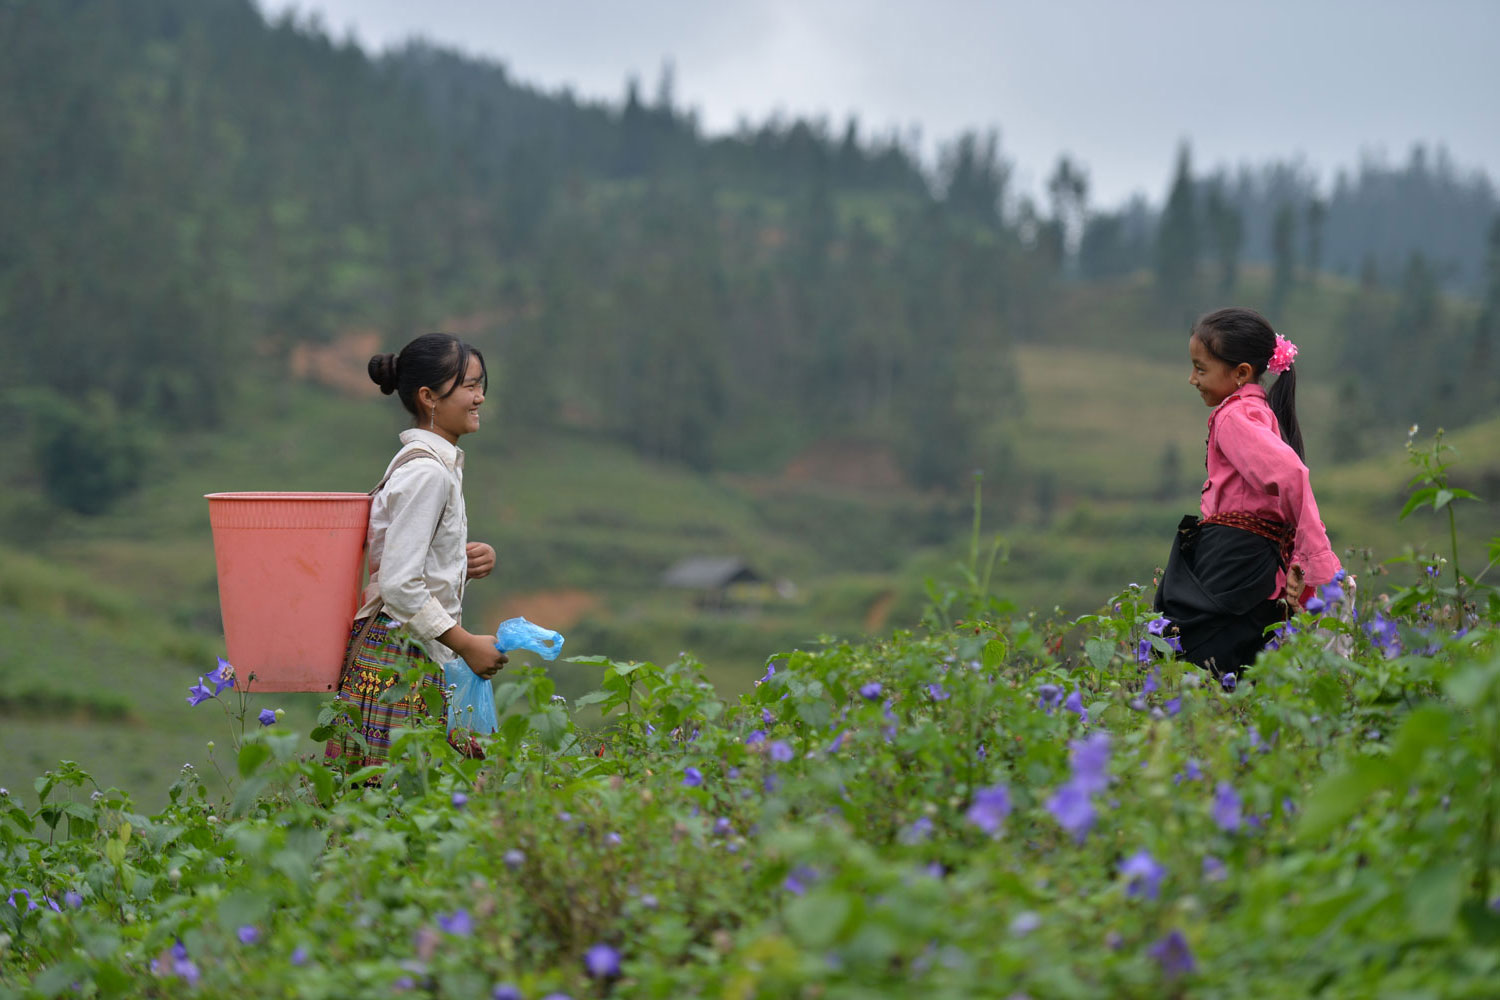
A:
(457, 413)
(1214, 379)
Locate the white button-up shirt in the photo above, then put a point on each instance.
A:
(419, 532)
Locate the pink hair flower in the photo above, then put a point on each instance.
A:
(1283, 356)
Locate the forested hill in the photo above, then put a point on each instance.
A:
(193, 191)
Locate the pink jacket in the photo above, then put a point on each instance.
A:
(1252, 470)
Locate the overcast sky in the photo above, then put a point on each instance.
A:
(1117, 84)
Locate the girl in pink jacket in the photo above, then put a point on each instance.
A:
(1260, 541)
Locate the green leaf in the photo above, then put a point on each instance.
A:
(248, 791)
(1433, 898)
(366, 773)
(252, 756)
(1442, 499)
(1417, 499)
(550, 725)
(60, 978)
(817, 918)
(322, 782)
(994, 655)
(1099, 652)
(592, 698)
(1338, 797)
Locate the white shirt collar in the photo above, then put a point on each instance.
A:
(451, 454)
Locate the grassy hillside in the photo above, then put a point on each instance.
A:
(109, 619)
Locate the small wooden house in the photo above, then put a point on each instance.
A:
(711, 577)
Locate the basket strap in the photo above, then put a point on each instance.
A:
(410, 456)
(364, 630)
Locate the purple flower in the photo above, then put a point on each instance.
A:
(459, 800)
(221, 677)
(692, 777)
(1172, 953)
(781, 751)
(1213, 869)
(457, 924)
(267, 717)
(198, 694)
(299, 955)
(1229, 681)
(723, 827)
(919, 830)
(1090, 762)
(1049, 696)
(1226, 810)
(1190, 772)
(870, 691)
(1024, 923)
(557, 996)
(1143, 652)
(248, 934)
(612, 839)
(766, 717)
(179, 950)
(799, 879)
(1314, 604)
(1173, 705)
(1074, 812)
(29, 904)
(602, 961)
(1175, 642)
(838, 741)
(989, 808)
(1152, 683)
(1331, 593)
(756, 738)
(1384, 633)
(514, 858)
(770, 672)
(506, 991)
(1074, 704)
(1158, 626)
(936, 693)
(1434, 572)
(186, 969)
(1143, 875)
(72, 899)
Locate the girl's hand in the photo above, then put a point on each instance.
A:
(480, 654)
(1295, 582)
(481, 559)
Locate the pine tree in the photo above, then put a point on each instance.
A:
(1177, 238)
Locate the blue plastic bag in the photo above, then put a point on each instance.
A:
(518, 633)
(471, 699)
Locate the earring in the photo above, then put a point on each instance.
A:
(432, 419)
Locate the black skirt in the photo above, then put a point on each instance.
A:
(1214, 590)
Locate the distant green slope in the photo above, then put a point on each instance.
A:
(108, 620)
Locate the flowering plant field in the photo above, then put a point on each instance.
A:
(997, 805)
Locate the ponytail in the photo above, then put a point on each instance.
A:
(1283, 402)
(1243, 336)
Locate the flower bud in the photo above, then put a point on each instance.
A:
(174, 876)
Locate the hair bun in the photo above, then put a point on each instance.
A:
(382, 370)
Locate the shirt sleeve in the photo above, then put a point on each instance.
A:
(415, 497)
(1256, 451)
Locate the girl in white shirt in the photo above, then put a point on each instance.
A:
(420, 555)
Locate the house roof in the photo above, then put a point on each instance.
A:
(709, 572)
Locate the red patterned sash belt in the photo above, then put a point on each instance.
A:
(1280, 532)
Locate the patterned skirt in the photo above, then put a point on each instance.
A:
(382, 658)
